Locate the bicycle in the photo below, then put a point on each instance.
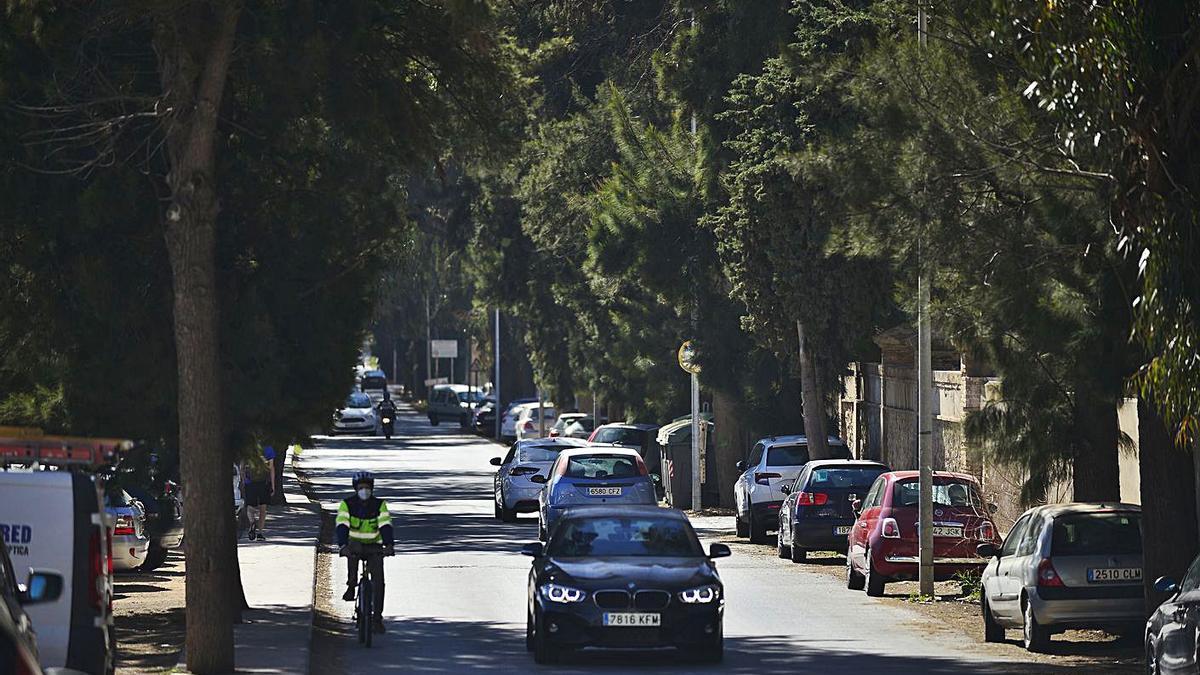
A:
(364, 610)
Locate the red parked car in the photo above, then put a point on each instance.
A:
(883, 544)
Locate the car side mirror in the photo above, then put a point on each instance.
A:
(42, 587)
(741, 466)
(786, 488)
(993, 507)
(718, 551)
(533, 550)
(496, 461)
(538, 478)
(856, 506)
(1166, 585)
(987, 550)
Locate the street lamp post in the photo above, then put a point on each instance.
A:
(924, 384)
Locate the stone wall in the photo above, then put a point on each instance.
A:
(879, 421)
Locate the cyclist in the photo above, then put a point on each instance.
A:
(363, 518)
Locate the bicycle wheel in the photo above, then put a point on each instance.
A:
(361, 618)
(368, 602)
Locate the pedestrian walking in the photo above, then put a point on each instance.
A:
(260, 485)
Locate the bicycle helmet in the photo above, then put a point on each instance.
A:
(363, 477)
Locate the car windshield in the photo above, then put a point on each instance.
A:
(945, 493)
(358, 400)
(469, 397)
(603, 466)
(624, 536)
(539, 453)
(620, 436)
(1097, 534)
(849, 477)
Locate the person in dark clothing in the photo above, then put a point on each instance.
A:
(363, 518)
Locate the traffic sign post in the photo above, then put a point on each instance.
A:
(687, 361)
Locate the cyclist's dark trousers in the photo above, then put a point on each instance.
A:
(375, 565)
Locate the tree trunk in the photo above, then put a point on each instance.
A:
(812, 398)
(730, 441)
(193, 52)
(1169, 534)
(1097, 471)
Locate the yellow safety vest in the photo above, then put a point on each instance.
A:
(364, 530)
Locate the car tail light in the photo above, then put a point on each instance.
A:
(812, 499)
(765, 478)
(889, 528)
(1047, 575)
(524, 470)
(528, 425)
(987, 531)
(95, 571)
(553, 433)
(124, 526)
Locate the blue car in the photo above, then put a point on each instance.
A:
(592, 476)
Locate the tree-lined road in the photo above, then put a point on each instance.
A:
(456, 588)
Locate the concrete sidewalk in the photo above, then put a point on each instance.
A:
(277, 575)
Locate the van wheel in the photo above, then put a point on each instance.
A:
(875, 582)
(992, 630)
(741, 528)
(155, 557)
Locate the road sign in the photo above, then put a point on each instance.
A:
(443, 349)
(687, 358)
(436, 380)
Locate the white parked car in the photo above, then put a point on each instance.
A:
(774, 462)
(127, 527)
(358, 415)
(513, 490)
(508, 423)
(527, 421)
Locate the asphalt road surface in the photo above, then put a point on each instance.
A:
(456, 588)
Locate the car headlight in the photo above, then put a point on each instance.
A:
(563, 594)
(700, 595)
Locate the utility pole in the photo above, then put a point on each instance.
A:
(428, 344)
(496, 348)
(541, 415)
(695, 376)
(924, 379)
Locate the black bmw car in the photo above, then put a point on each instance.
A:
(625, 578)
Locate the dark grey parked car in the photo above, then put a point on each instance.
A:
(1171, 632)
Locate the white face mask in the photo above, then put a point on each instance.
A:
(364, 493)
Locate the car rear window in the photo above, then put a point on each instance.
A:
(540, 453)
(795, 455)
(859, 478)
(374, 383)
(1097, 534)
(946, 492)
(624, 536)
(620, 436)
(603, 466)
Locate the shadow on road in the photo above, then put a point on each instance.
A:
(421, 646)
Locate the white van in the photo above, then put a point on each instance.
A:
(53, 520)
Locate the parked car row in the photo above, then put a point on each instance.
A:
(611, 569)
(1062, 566)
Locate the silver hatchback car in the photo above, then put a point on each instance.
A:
(514, 492)
(1065, 566)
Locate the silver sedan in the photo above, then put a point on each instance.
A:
(513, 491)
(1065, 566)
(127, 518)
